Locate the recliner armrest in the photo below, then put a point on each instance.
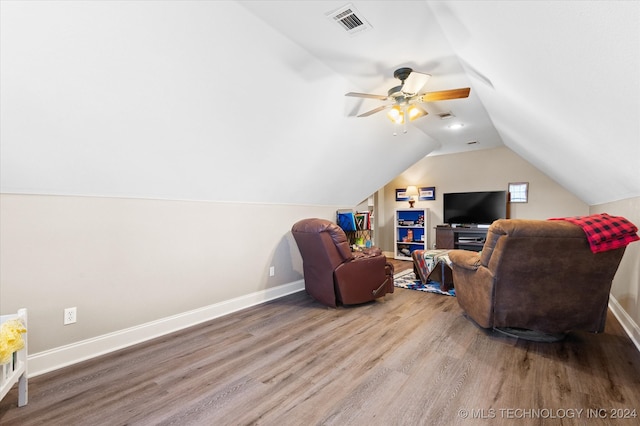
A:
(367, 252)
(465, 259)
(370, 258)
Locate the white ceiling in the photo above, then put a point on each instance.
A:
(556, 81)
(244, 101)
(402, 34)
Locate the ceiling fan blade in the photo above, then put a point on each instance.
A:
(444, 95)
(414, 83)
(373, 111)
(366, 95)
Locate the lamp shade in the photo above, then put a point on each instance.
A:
(412, 192)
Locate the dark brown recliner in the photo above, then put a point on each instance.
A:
(332, 273)
(535, 279)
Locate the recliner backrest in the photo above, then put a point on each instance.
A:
(320, 229)
(523, 228)
(323, 246)
(542, 263)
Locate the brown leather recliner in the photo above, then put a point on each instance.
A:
(332, 273)
(535, 279)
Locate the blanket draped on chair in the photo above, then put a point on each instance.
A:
(605, 232)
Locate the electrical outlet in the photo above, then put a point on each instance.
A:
(70, 315)
(272, 271)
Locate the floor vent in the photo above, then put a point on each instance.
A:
(349, 19)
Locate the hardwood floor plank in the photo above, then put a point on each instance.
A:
(410, 358)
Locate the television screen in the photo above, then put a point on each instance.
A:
(474, 208)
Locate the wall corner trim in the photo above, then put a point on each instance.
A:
(63, 356)
(627, 323)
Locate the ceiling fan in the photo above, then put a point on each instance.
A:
(407, 95)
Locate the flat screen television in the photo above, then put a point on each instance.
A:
(474, 208)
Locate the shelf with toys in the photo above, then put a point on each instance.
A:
(410, 232)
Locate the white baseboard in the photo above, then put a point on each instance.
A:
(632, 329)
(63, 356)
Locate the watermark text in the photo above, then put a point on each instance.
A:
(548, 413)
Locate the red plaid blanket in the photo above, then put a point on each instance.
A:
(605, 232)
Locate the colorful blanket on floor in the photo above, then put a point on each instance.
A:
(605, 232)
(427, 260)
(408, 280)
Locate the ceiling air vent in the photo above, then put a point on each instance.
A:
(446, 115)
(349, 19)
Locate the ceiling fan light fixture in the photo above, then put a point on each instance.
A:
(404, 97)
(412, 112)
(415, 112)
(396, 114)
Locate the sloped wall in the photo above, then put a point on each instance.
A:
(170, 100)
(485, 170)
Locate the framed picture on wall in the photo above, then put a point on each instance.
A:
(401, 194)
(518, 192)
(427, 193)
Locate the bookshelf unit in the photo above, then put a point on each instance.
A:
(410, 232)
(358, 226)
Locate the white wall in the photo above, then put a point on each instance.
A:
(559, 80)
(186, 100)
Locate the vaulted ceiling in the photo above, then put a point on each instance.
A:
(244, 101)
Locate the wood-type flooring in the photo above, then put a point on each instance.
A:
(409, 358)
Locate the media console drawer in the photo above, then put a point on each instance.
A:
(460, 238)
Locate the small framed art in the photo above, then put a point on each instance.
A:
(401, 194)
(427, 193)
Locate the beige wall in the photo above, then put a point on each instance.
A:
(124, 262)
(626, 284)
(484, 170)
